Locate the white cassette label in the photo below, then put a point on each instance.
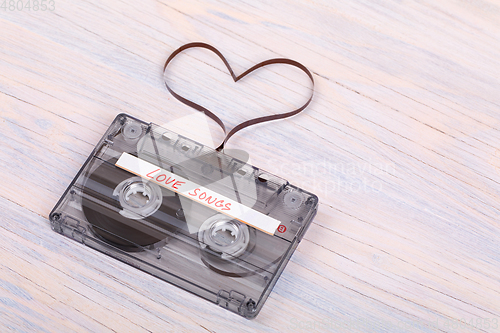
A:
(198, 193)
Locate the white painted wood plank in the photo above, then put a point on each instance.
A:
(401, 143)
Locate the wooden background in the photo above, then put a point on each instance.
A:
(401, 144)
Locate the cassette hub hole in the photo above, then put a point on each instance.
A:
(137, 195)
(224, 235)
(138, 198)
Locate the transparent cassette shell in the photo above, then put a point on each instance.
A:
(187, 243)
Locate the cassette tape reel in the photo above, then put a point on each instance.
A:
(195, 217)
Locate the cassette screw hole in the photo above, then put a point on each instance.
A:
(56, 216)
(309, 201)
(251, 305)
(180, 213)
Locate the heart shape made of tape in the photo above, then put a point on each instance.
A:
(236, 78)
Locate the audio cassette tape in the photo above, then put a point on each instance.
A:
(193, 216)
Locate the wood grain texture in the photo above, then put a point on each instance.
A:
(401, 144)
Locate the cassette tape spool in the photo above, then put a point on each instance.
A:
(190, 215)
